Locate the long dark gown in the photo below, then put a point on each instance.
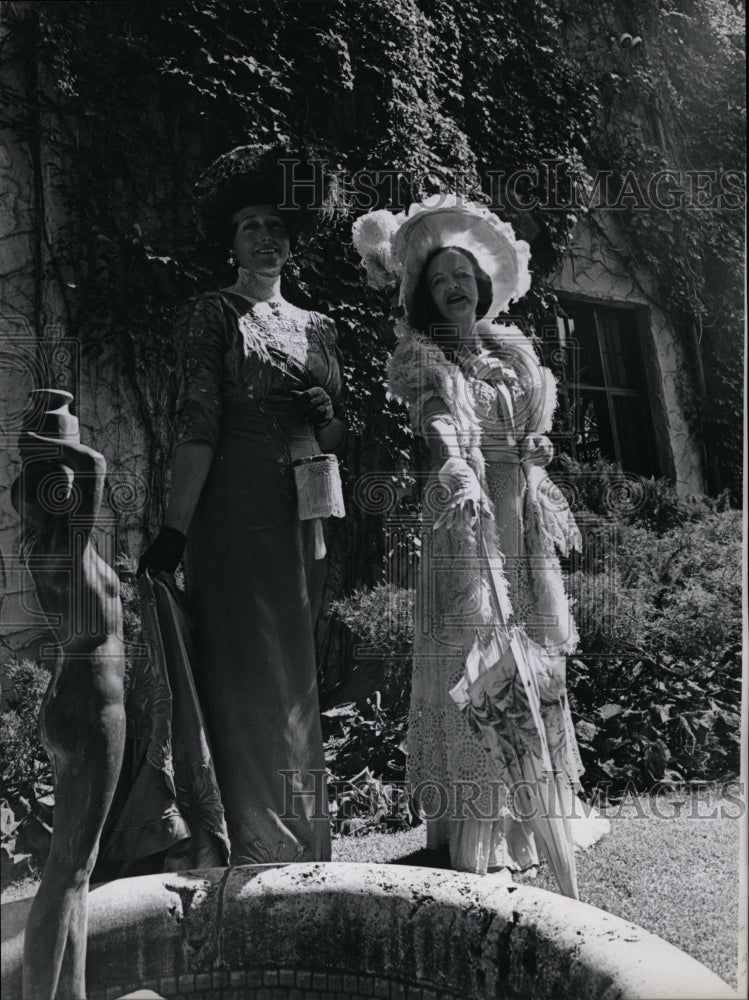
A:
(253, 583)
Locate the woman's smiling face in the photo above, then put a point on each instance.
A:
(261, 242)
(452, 285)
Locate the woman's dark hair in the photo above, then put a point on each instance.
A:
(242, 193)
(267, 185)
(424, 312)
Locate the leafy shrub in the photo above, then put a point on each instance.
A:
(26, 792)
(24, 762)
(365, 803)
(372, 737)
(657, 596)
(656, 687)
(366, 760)
(676, 594)
(601, 488)
(364, 740)
(641, 721)
(381, 620)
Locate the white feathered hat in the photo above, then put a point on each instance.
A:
(396, 247)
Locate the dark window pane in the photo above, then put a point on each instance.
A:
(635, 435)
(587, 368)
(620, 347)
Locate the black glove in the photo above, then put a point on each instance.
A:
(314, 405)
(164, 553)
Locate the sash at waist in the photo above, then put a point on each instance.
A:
(500, 452)
(277, 423)
(245, 416)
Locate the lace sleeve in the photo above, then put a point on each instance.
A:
(204, 338)
(333, 381)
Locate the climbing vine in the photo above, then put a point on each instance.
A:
(129, 101)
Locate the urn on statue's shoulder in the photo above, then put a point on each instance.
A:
(48, 416)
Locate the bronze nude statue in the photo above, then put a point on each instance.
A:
(82, 721)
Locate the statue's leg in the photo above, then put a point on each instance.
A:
(45, 939)
(57, 921)
(72, 984)
(58, 918)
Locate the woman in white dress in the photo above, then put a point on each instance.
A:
(493, 524)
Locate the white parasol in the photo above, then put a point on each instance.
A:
(509, 685)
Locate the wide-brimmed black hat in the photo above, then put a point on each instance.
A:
(293, 180)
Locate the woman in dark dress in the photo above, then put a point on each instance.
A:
(260, 390)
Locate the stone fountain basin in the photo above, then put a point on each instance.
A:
(290, 932)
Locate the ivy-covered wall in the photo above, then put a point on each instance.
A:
(111, 110)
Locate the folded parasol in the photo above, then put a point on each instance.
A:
(512, 696)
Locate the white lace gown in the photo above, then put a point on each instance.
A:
(460, 788)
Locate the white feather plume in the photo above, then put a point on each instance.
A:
(372, 236)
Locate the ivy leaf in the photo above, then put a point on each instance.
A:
(609, 711)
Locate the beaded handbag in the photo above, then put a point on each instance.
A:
(318, 487)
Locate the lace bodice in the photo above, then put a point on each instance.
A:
(276, 330)
(503, 392)
(234, 350)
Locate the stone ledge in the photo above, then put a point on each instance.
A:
(394, 931)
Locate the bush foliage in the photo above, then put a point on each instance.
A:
(26, 777)
(365, 741)
(677, 594)
(645, 720)
(381, 619)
